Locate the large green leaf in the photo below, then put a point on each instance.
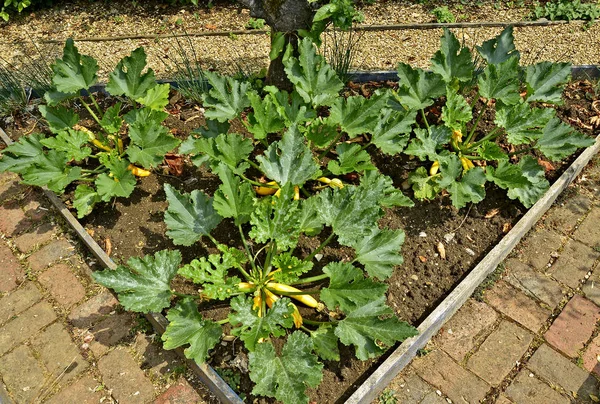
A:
(234, 198)
(379, 252)
(212, 273)
(71, 142)
(417, 88)
(84, 200)
(127, 78)
(457, 111)
(189, 216)
(491, 151)
(369, 332)
(423, 185)
(120, 181)
(501, 81)
(383, 188)
(150, 141)
(321, 133)
(348, 288)
(499, 49)
(314, 80)
(74, 72)
(470, 188)
(560, 140)
(286, 377)
(51, 170)
(523, 124)
(424, 146)
(325, 343)
(351, 157)
(144, 285)
(20, 155)
(291, 107)
(226, 99)
(253, 327)
(264, 118)
(59, 118)
(228, 148)
(157, 97)
(357, 115)
(309, 220)
(186, 326)
(452, 61)
(507, 175)
(546, 81)
(289, 160)
(111, 122)
(538, 184)
(289, 268)
(392, 132)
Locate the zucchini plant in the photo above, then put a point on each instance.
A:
(105, 159)
(462, 156)
(274, 292)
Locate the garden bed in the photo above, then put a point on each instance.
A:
(415, 289)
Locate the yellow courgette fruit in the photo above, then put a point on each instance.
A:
(435, 167)
(281, 288)
(137, 171)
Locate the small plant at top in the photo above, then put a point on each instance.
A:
(443, 14)
(55, 161)
(255, 23)
(567, 10)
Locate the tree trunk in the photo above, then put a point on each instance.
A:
(287, 16)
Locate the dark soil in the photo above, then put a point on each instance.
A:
(134, 227)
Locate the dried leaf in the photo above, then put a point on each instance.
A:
(492, 213)
(594, 398)
(175, 163)
(442, 250)
(546, 164)
(595, 120)
(422, 258)
(506, 227)
(210, 26)
(90, 232)
(107, 246)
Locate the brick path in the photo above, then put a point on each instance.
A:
(64, 339)
(533, 336)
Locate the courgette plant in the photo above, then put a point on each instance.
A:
(102, 160)
(462, 156)
(261, 281)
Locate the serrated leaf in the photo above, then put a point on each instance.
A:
(470, 188)
(348, 288)
(70, 142)
(322, 133)
(357, 115)
(501, 81)
(383, 186)
(560, 140)
(501, 48)
(120, 182)
(189, 216)
(546, 81)
(538, 185)
(234, 198)
(491, 151)
(523, 124)
(423, 146)
(226, 99)
(211, 130)
(186, 326)
(507, 175)
(111, 122)
(51, 170)
(20, 155)
(392, 132)
(286, 377)
(379, 252)
(58, 118)
(417, 88)
(325, 343)
(369, 332)
(291, 107)
(150, 141)
(84, 200)
(228, 148)
(314, 80)
(309, 221)
(457, 111)
(289, 160)
(452, 61)
(423, 185)
(53, 97)
(74, 72)
(264, 118)
(289, 268)
(252, 327)
(127, 78)
(351, 157)
(157, 97)
(144, 284)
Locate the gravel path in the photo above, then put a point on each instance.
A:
(381, 50)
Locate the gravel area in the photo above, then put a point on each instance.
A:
(381, 50)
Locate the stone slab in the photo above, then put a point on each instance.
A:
(409, 387)
(110, 331)
(565, 217)
(591, 355)
(13, 220)
(500, 352)
(36, 237)
(50, 253)
(11, 272)
(575, 261)
(533, 283)
(470, 325)
(160, 361)
(588, 231)
(18, 300)
(62, 284)
(179, 393)
(530, 390)
(122, 375)
(574, 326)
(25, 326)
(83, 391)
(22, 374)
(538, 247)
(93, 310)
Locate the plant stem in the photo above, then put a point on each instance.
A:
(214, 240)
(253, 164)
(490, 136)
(224, 321)
(468, 140)
(248, 254)
(95, 103)
(185, 295)
(256, 183)
(312, 322)
(95, 171)
(333, 142)
(272, 251)
(310, 280)
(86, 105)
(319, 248)
(425, 119)
(520, 151)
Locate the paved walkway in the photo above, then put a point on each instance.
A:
(531, 337)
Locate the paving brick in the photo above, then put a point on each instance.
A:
(591, 288)
(591, 355)
(22, 374)
(62, 284)
(154, 357)
(530, 390)
(589, 231)
(470, 325)
(532, 282)
(122, 375)
(179, 393)
(110, 331)
(502, 399)
(83, 391)
(575, 261)
(538, 247)
(11, 272)
(50, 253)
(19, 300)
(551, 366)
(517, 306)
(574, 326)
(431, 398)
(58, 353)
(35, 206)
(12, 219)
(10, 188)
(565, 217)
(409, 387)
(25, 325)
(93, 310)
(499, 353)
(460, 385)
(36, 237)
